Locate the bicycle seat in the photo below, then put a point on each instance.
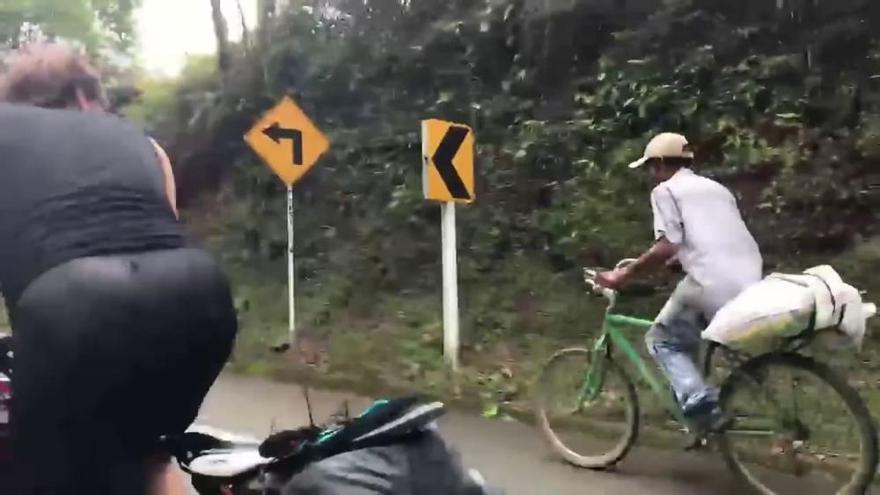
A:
(215, 453)
(221, 438)
(386, 422)
(227, 463)
(414, 419)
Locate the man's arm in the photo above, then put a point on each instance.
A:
(669, 232)
(659, 254)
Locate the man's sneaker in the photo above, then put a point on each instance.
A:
(713, 422)
(708, 418)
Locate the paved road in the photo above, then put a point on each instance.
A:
(509, 454)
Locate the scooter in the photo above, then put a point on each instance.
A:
(393, 447)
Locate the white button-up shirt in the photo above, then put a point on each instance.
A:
(715, 247)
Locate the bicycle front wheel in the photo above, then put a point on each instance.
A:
(794, 415)
(589, 415)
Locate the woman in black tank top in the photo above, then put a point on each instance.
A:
(120, 325)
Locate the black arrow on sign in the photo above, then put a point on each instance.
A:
(276, 133)
(443, 157)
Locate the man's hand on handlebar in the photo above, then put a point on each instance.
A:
(618, 277)
(614, 279)
(608, 281)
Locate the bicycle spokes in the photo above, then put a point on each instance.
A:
(578, 395)
(790, 417)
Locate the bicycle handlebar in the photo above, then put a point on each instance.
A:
(590, 275)
(624, 263)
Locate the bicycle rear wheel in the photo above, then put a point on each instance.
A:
(589, 421)
(776, 425)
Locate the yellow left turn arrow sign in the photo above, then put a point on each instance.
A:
(288, 141)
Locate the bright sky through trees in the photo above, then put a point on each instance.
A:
(170, 29)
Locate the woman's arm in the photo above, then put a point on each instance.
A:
(170, 184)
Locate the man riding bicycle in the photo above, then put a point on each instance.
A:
(120, 324)
(696, 220)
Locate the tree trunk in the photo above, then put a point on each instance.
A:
(245, 33)
(221, 31)
(266, 12)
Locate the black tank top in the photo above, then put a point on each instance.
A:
(76, 184)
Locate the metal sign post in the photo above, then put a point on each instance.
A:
(450, 286)
(291, 328)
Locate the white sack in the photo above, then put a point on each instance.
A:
(762, 316)
(782, 306)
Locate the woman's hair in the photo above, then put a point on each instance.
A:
(49, 75)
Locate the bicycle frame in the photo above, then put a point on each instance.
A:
(613, 338)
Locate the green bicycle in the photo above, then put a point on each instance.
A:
(764, 399)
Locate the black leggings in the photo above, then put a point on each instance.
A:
(111, 353)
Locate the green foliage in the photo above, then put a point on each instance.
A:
(173, 110)
(98, 24)
(869, 141)
(156, 106)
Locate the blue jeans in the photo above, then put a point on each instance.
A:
(674, 343)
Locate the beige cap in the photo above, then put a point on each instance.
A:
(665, 145)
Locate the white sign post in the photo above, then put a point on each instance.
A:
(291, 332)
(450, 286)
